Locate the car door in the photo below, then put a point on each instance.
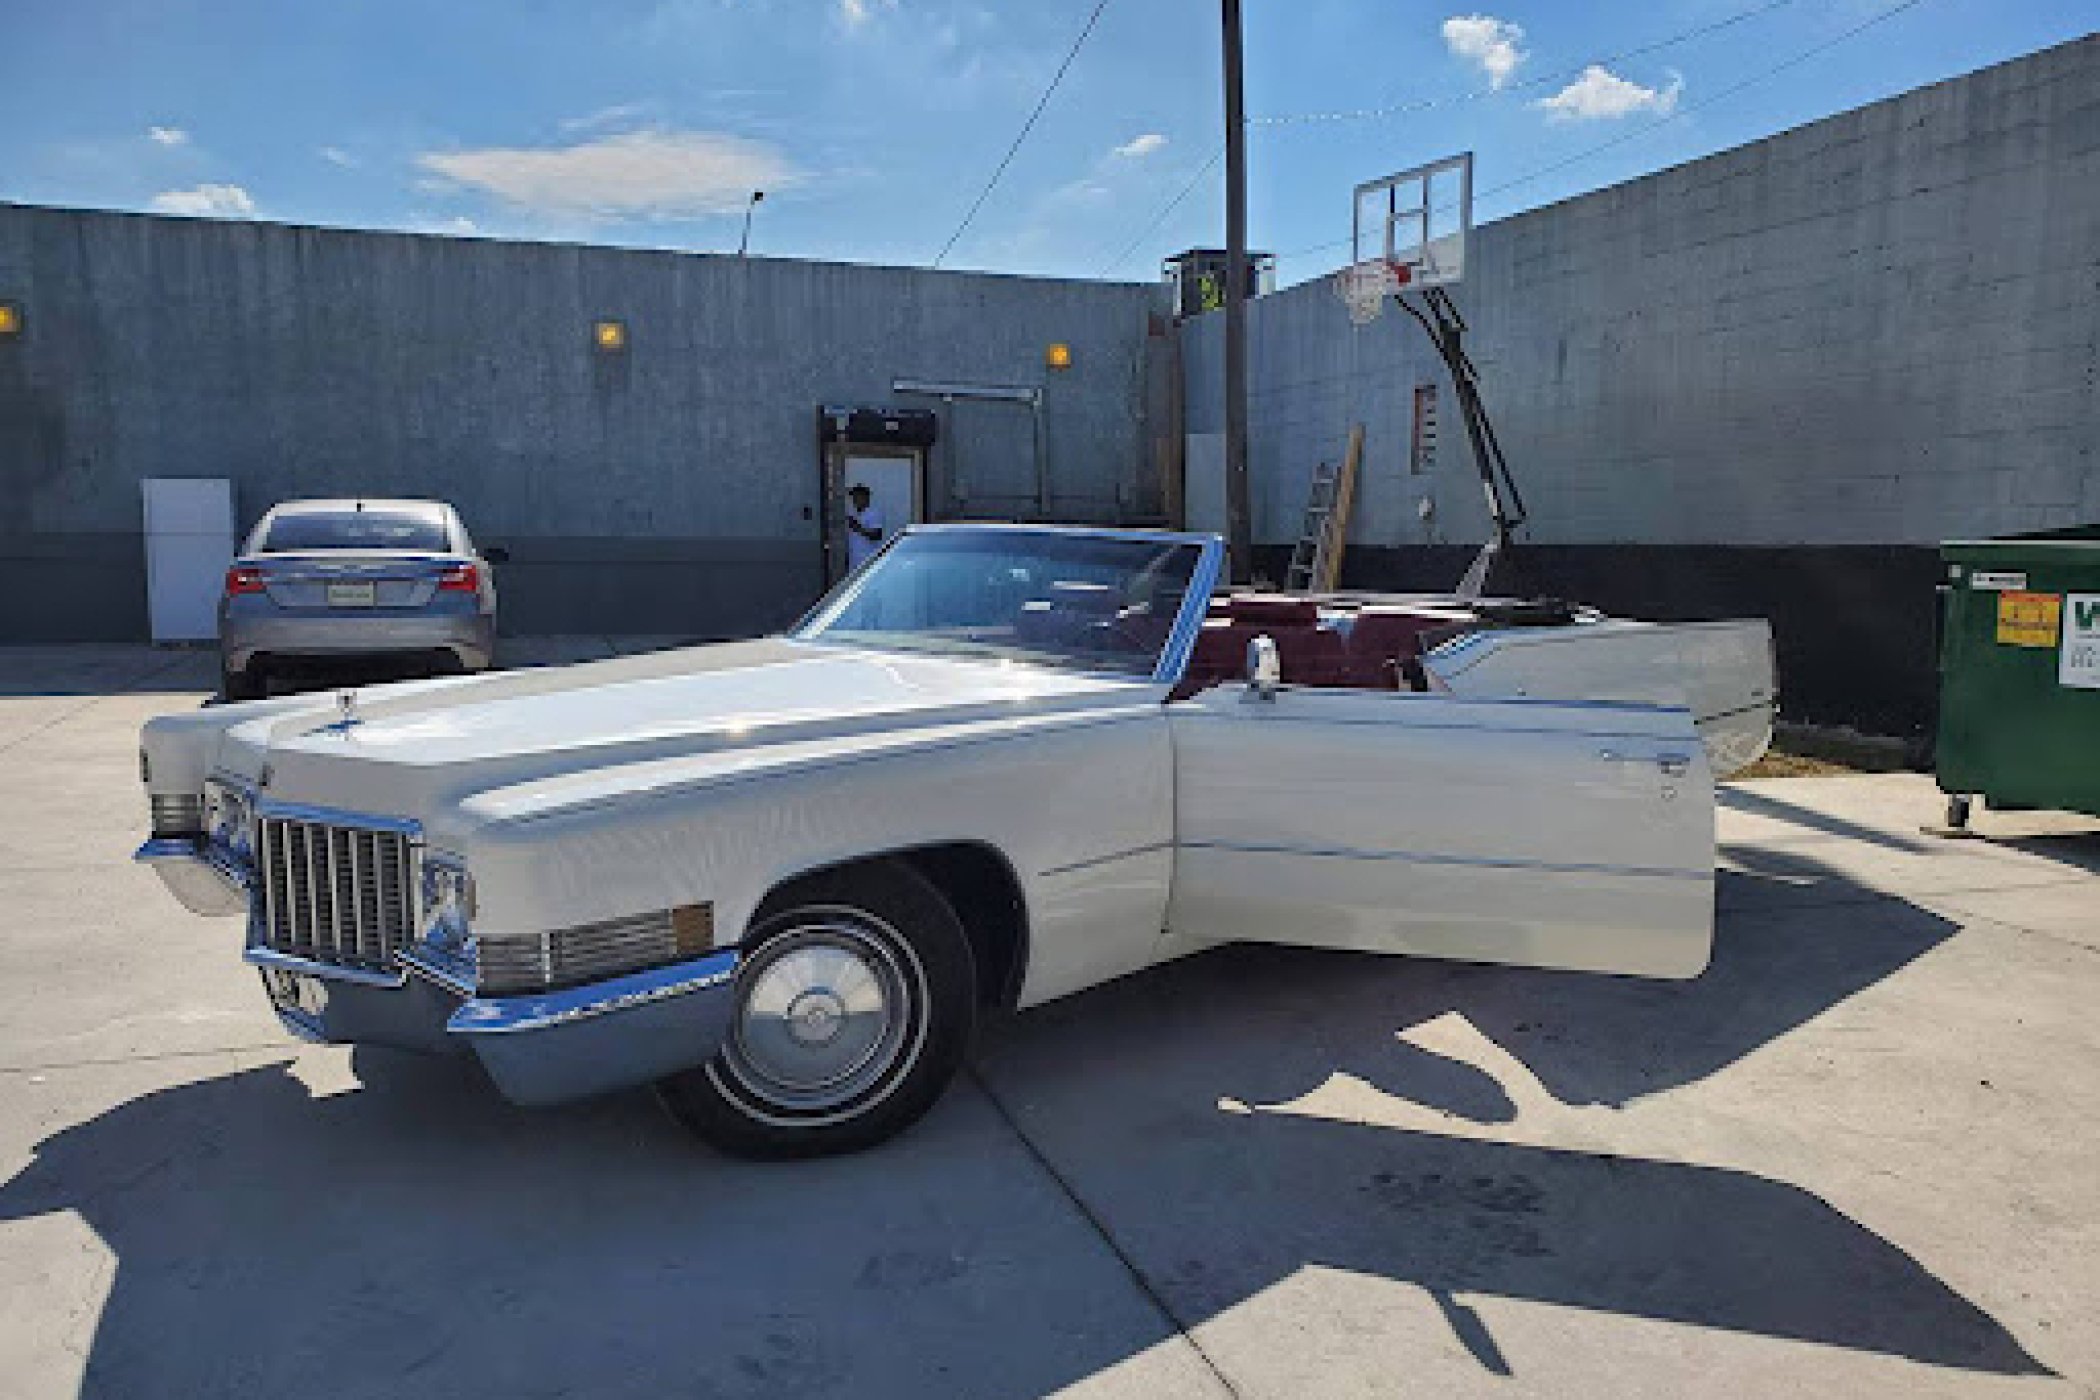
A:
(1537, 832)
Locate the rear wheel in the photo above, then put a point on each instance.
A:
(854, 1005)
(237, 684)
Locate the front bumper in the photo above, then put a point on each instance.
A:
(543, 1048)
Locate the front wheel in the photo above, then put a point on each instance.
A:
(855, 1003)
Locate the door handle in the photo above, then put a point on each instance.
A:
(1673, 765)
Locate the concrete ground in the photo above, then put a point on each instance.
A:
(1858, 1156)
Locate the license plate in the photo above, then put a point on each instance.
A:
(296, 992)
(352, 595)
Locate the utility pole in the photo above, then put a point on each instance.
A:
(1239, 527)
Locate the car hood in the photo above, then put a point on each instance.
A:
(402, 749)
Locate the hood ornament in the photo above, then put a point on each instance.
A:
(346, 709)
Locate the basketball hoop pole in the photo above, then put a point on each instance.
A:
(1239, 531)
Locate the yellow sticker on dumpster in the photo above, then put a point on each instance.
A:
(2029, 619)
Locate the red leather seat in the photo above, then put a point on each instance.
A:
(1272, 610)
(1311, 656)
(1220, 654)
(1384, 637)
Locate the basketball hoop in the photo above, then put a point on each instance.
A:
(1364, 286)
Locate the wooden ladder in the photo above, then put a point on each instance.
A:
(1316, 559)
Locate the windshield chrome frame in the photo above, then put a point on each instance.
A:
(1181, 637)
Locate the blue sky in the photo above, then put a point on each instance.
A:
(871, 124)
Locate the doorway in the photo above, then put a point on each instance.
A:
(892, 467)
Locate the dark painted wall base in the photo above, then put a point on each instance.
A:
(1853, 623)
(92, 587)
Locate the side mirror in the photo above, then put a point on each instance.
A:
(496, 554)
(1264, 669)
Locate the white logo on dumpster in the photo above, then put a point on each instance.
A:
(2078, 663)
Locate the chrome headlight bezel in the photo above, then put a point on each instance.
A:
(229, 819)
(445, 912)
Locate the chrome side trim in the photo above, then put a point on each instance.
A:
(1090, 862)
(1195, 606)
(256, 955)
(1433, 858)
(511, 1015)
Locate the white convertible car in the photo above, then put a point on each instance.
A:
(781, 879)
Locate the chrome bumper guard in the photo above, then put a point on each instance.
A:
(195, 875)
(545, 1048)
(540, 1048)
(550, 1047)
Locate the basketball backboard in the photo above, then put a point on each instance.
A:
(1418, 222)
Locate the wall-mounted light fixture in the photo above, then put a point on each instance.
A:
(609, 337)
(1058, 356)
(10, 320)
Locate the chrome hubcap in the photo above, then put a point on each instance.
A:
(823, 1014)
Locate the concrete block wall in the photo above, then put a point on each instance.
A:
(1805, 361)
(672, 488)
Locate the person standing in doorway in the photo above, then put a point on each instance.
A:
(864, 526)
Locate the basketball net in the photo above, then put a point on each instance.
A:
(1363, 287)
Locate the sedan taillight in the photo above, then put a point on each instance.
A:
(460, 578)
(242, 578)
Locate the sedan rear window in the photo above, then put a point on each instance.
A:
(356, 529)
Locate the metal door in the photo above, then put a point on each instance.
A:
(189, 543)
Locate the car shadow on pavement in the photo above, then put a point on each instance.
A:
(1204, 1064)
(416, 1234)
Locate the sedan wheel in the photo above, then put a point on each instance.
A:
(855, 1003)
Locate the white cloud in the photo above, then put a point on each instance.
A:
(858, 12)
(619, 114)
(1487, 41)
(167, 136)
(336, 155)
(210, 201)
(640, 174)
(1139, 146)
(1600, 94)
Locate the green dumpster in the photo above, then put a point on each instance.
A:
(2020, 672)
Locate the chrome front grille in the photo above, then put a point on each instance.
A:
(332, 893)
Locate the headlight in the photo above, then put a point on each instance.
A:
(229, 819)
(448, 909)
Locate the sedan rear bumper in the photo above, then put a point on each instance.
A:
(469, 638)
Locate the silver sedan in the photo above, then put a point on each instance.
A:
(372, 581)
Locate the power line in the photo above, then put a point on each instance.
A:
(1684, 111)
(1542, 80)
(1546, 80)
(1026, 127)
(1161, 217)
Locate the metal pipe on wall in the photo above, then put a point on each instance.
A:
(1029, 394)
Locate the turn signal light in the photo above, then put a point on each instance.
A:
(460, 578)
(243, 579)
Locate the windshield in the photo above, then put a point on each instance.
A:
(356, 529)
(1092, 602)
